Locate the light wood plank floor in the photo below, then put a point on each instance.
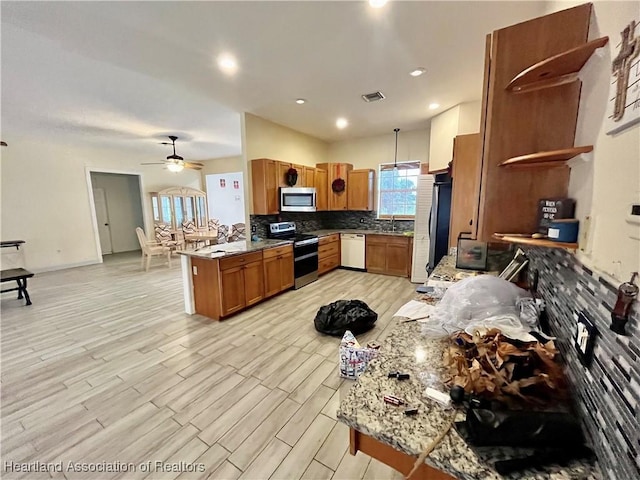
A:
(106, 367)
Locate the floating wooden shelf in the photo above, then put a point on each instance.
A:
(535, 242)
(551, 158)
(557, 70)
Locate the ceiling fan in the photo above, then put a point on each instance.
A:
(176, 163)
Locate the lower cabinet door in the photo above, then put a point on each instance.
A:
(286, 271)
(397, 260)
(272, 276)
(375, 258)
(253, 283)
(233, 290)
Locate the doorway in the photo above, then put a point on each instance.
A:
(118, 210)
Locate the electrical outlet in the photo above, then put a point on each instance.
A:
(254, 228)
(586, 232)
(362, 220)
(585, 337)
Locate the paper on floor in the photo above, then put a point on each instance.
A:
(414, 310)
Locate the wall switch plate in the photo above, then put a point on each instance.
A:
(585, 337)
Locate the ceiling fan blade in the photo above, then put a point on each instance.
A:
(154, 163)
(192, 166)
(197, 163)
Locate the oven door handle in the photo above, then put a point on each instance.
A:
(304, 257)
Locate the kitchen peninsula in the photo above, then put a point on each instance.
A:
(384, 432)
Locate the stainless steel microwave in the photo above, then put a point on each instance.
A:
(294, 199)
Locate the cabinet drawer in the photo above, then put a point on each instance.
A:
(276, 251)
(329, 249)
(239, 260)
(327, 264)
(334, 237)
(387, 239)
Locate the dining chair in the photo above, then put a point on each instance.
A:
(213, 224)
(189, 228)
(223, 233)
(151, 249)
(166, 238)
(237, 232)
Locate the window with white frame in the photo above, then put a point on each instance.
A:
(397, 187)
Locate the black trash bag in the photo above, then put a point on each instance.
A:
(338, 317)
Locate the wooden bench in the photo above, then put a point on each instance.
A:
(19, 275)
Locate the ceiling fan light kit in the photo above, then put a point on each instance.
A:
(174, 162)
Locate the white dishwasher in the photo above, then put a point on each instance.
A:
(352, 248)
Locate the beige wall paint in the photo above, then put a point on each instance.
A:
(606, 181)
(370, 152)
(221, 165)
(46, 197)
(265, 139)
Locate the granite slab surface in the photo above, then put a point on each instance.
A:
(233, 248)
(363, 409)
(446, 270)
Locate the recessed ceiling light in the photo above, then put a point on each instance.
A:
(300, 101)
(377, 3)
(227, 63)
(417, 72)
(433, 106)
(342, 123)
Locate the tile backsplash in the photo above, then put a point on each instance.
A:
(607, 393)
(306, 222)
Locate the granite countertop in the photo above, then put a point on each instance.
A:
(446, 270)
(233, 248)
(324, 233)
(363, 408)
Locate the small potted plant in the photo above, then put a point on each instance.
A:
(292, 176)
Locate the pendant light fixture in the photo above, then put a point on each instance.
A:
(395, 159)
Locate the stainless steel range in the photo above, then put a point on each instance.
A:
(305, 251)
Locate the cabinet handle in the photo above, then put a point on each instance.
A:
(471, 222)
(279, 257)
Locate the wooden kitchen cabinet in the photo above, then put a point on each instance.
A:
(322, 189)
(309, 177)
(535, 120)
(278, 270)
(264, 186)
(360, 189)
(466, 184)
(283, 168)
(389, 254)
(328, 253)
(222, 287)
(337, 200)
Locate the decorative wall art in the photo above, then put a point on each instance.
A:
(623, 110)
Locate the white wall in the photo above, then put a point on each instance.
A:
(459, 120)
(226, 203)
(46, 197)
(609, 179)
(124, 205)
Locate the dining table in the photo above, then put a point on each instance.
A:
(209, 237)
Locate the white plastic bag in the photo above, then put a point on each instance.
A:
(481, 302)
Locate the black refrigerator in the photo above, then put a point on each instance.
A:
(439, 220)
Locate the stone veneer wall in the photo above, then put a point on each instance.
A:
(607, 393)
(306, 222)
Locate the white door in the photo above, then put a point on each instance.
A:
(102, 216)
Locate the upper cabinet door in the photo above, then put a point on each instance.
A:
(309, 177)
(466, 181)
(360, 191)
(322, 189)
(264, 186)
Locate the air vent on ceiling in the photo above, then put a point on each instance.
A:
(372, 97)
